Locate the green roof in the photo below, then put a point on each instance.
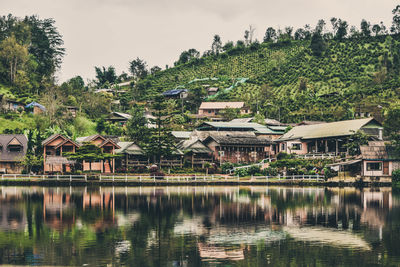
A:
(331, 129)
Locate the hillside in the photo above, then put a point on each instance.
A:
(350, 74)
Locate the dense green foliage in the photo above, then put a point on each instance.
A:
(30, 52)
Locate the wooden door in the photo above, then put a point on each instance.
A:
(386, 167)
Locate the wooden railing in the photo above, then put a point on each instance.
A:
(317, 155)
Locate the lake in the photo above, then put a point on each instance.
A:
(199, 226)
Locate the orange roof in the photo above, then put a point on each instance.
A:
(221, 105)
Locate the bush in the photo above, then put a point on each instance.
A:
(283, 155)
(226, 166)
(270, 171)
(328, 173)
(241, 172)
(396, 176)
(253, 170)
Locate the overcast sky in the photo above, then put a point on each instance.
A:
(113, 32)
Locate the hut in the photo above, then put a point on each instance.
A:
(13, 149)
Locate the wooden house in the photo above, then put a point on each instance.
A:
(10, 105)
(71, 110)
(237, 147)
(107, 145)
(326, 138)
(119, 117)
(36, 108)
(133, 156)
(378, 159)
(176, 94)
(213, 109)
(54, 149)
(195, 152)
(13, 149)
(212, 91)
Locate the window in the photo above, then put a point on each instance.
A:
(283, 147)
(296, 146)
(14, 148)
(374, 166)
(67, 149)
(209, 111)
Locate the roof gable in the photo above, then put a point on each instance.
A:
(56, 140)
(15, 142)
(109, 141)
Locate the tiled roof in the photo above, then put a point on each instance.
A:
(221, 105)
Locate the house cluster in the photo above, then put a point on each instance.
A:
(214, 141)
(11, 105)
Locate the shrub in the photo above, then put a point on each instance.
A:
(396, 176)
(241, 172)
(328, 173)
(283, 155)
(270, 171)
(226, 166)
(253, 170)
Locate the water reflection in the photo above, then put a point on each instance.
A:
(194, 226)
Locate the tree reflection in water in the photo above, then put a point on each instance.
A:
(195, 226)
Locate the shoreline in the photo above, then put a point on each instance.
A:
(47, 183)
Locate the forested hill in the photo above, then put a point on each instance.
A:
(306, 79)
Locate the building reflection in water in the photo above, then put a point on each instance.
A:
(225, 221)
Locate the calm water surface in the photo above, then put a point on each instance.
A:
(199, 226)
